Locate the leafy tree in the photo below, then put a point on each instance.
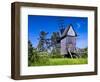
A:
(43, 41)
(33, 55)
(30, 52)
(54, 42)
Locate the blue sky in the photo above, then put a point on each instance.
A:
(51, 24)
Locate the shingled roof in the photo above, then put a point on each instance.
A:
(69, 31)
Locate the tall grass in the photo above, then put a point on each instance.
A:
(67, 61)
(62, 61)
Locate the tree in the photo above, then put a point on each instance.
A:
(30, 52)
(85, 54)
(33, 54)
(54, 41)
(42, 45)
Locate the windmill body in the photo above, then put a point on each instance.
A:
(68, 40)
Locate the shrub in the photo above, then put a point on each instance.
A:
(56, 55)
(85, 55)
(33, 57)
(38, 58)
(43, 57)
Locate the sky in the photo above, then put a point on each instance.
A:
(51, 24)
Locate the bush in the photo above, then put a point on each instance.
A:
(85, 55)
(43, 57)
(38, 58)
(33, 57)
(56, 55)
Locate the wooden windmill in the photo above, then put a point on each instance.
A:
(68, 41)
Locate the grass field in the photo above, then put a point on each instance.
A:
(61, 61)
(66, 61)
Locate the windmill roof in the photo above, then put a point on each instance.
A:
(68, 32)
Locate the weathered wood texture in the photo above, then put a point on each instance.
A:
(69, 40)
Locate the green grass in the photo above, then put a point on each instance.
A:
(67, 61)
(62, 61)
